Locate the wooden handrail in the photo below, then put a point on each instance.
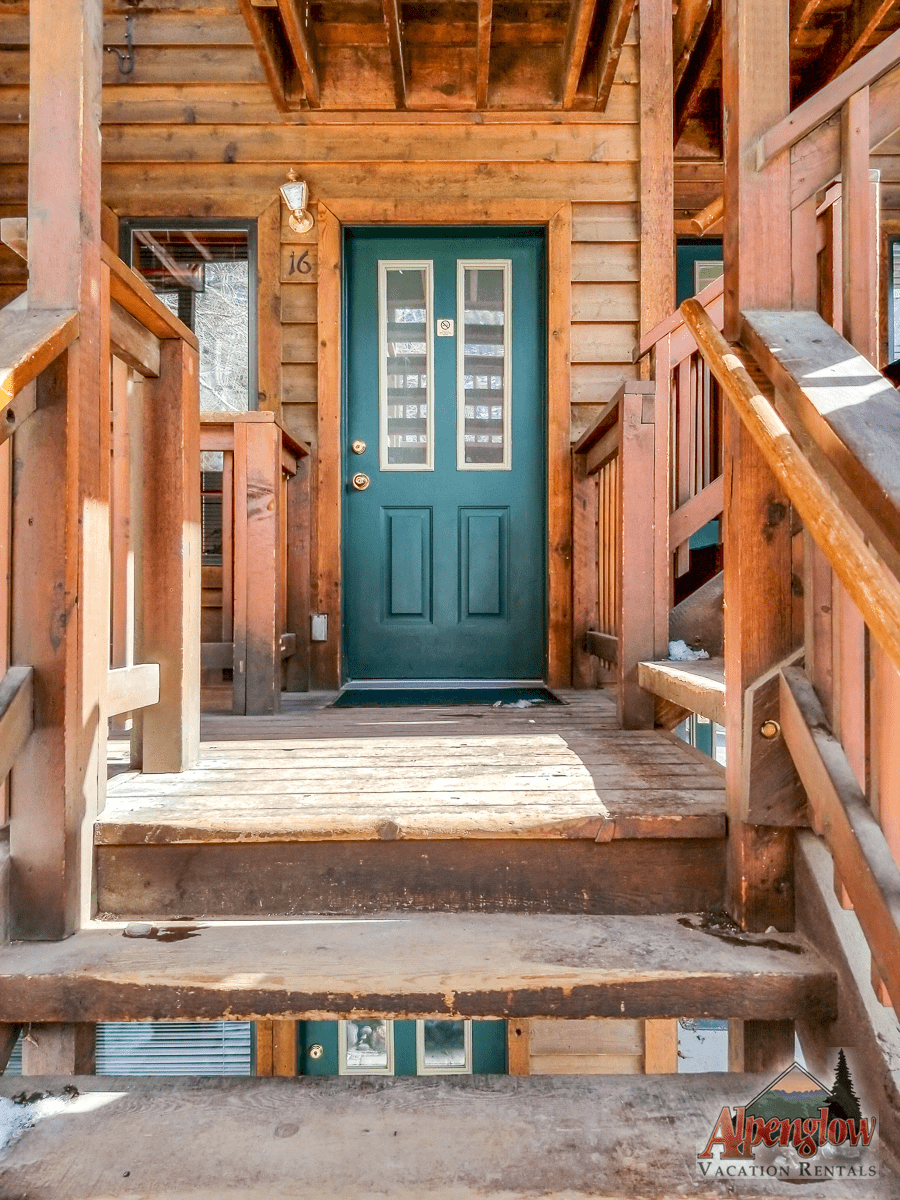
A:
(128, 289)
(675, 320)
(30, 340)
(16, 714)
(826, 102)
(873, 589)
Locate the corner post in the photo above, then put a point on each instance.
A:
(758, 633)
(171, 567)
(60, 619)
(636, 503)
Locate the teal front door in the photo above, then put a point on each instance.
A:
(443, 459)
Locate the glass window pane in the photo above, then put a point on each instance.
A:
(366, 1047)
(406, 389)
(444, 1047)
(483, 365)
(203, 277)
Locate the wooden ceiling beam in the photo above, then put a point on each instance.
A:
(618, 18)
(302, 41)
(483, 52)
(578, 32)
(701, 69)
(850, 40)
(391, 9)
(686, 29)
(280, 70)
(802, 13)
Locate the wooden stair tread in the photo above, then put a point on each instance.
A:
(484, 1137)
(698, 686)
(421, 964)
(543, 779)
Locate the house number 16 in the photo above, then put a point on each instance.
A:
(302, 266)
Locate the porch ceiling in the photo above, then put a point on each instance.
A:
(443, 55)
(827, 36)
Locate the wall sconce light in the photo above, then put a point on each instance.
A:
(296, 196)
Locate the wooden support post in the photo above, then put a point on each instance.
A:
(60, 619)
(757, 252)
(756, 95)
(297, 581)
(804, 256)
(239, 570)
(325, 664)
(858, 284)
(657, 166)
(136, 538)
(660, 1047)
(276, 1048)
(171, 568)
(662, 568)
(263, 653)
(518, 1048)
(635, 559)
(268, 308)
(58, 1049)
(818, 618)
(760, 1046)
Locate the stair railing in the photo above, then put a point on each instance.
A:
(255, 599)
(816, 416)
(152, 670)
(658, 443)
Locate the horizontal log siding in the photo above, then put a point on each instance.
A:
(194, 132)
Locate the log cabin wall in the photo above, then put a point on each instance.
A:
(194, 131)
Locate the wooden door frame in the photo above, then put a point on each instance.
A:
(556, 218)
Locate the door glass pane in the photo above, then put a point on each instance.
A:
(483, 290)
(366, 1047)
(444, 1047)
(405, 375)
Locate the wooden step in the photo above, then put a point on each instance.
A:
(697, 687)
(439, 809)
(469, 1138)
(402, 965)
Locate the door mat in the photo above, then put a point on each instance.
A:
(497, 697)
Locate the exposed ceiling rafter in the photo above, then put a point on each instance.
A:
(483, 52)
(393, 25)
(578, 32)
(702, 66)
(302, 41)
(618, 18)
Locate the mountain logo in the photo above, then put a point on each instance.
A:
(792, 1123)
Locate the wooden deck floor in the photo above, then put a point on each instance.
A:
(316, 773)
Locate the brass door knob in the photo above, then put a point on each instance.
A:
(360, 482)
(358, 447)
(316, 1051)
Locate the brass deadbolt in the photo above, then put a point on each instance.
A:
(770, 730)
(316, 1051)
(360, 482)
(358, 447)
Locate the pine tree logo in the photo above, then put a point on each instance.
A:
(843, 1104)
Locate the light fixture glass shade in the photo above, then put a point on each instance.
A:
(296, 194)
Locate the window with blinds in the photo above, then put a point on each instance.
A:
(168, 1048)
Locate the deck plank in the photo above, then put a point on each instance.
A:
(476, 1138)
(317, 773)
(397, 964)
